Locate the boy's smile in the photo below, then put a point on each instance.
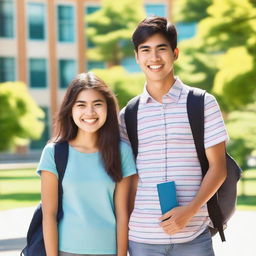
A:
(156, 59)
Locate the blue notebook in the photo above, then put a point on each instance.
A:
(167, 196)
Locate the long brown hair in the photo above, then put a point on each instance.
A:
(108, 135)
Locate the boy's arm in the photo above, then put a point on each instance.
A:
(213, 179)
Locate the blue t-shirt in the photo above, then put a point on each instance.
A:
(88, 225)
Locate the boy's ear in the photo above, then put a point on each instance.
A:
(136, 56)
(176, 53)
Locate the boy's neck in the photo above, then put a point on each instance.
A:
(157, 89)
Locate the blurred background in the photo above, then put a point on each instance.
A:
(45, 43)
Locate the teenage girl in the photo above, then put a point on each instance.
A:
(97, 178)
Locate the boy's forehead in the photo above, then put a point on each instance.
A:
(154, 40)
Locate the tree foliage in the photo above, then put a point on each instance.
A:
(124, 84)
(191, 10)
(110, 29)
(241, 126)
(226, 45)
(19, 116)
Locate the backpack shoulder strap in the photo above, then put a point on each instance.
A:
(130, 118)
(195, 110)
(61, 160)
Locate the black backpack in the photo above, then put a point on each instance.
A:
(35, 240)
(222, 205)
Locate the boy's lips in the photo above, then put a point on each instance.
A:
(155, 67)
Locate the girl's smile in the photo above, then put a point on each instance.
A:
(89, 111)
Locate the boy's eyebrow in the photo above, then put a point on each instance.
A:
(147, 46)
(83, 101)
(162, 45)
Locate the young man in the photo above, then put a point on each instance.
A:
(166, 152)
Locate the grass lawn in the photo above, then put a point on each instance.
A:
(21, 188)
(247, 191)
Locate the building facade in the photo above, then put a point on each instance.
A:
(43, 43)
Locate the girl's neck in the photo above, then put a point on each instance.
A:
(85, 142)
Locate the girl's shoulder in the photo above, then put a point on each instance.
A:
(125, 146)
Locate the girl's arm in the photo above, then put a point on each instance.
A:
(122, 214)
(49, 194)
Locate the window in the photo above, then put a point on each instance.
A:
(90, 10)
(130, 65)
(39, 144)
(36, 21)
(67, 72)
(37, 73)
(66, 23)
(95, 65)
(6, 19)
(186, 30)
(7, 69)
(156, 9)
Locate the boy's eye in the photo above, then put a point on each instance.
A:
(162, 49)
(80, 105)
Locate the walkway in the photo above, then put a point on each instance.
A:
(240, 234)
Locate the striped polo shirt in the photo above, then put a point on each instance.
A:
(166, 147)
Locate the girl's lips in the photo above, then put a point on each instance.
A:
(90, 121)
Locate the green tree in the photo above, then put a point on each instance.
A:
(230, 30)
(19, 116)
(222, 55)
(124, 84)
(191, 10)
(110, 29)
(241, 126)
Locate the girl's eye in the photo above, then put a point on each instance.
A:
(80, 105)
(98, 104)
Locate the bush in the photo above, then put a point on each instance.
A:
(124, 84)
(19, 116)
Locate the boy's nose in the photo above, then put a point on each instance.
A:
(155, 56)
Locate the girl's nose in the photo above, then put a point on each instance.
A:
(90, 110)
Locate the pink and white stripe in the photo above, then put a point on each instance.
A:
(164, 129)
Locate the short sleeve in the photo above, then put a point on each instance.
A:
(47, 162)
(215, 130)
(127, 160)
(122, 127)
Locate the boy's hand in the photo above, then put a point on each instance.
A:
(176, 219)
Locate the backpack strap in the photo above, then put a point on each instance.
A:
(131, 123)
(61, 160)
(195, 110)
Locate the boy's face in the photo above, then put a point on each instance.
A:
(156, 57)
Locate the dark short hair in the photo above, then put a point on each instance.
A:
(154, 25)
(108, 135)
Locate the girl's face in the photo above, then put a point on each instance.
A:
(89, 111)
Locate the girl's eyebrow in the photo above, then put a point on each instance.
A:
(83, 101)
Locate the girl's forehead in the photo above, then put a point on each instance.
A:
(90, 95)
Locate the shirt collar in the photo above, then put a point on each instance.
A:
(173, 94)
